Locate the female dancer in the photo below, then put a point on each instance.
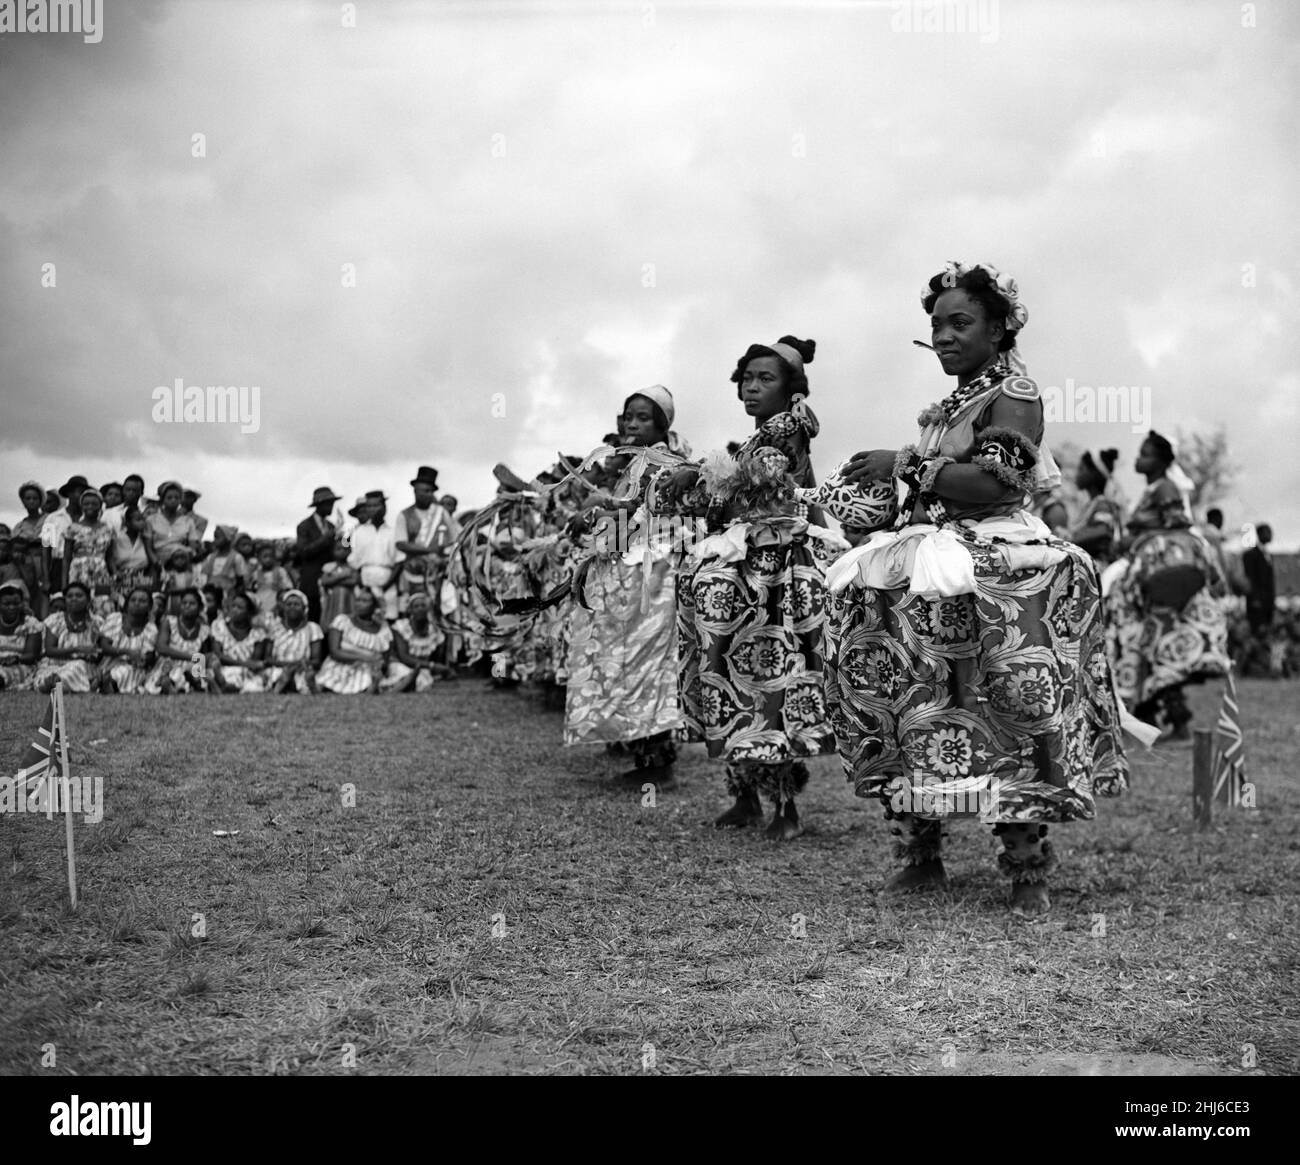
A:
(622, 654)
(969, 673)
(1167, 625)
(1098, 528)
(750, 613)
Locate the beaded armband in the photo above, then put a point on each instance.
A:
(1009, 456)
(930, 471)
(908, 464)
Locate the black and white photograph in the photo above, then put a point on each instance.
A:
(651, 539)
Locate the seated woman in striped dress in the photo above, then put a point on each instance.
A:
(358, 649)
(20, 638)
(71, 644)
(416, 638)
(128, 640)
(297, 646)
(183, 642)
(239, 648)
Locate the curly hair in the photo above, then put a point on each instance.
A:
(795, 379)
(977, 284)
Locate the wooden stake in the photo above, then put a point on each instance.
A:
(1202, 776)
(61, 717)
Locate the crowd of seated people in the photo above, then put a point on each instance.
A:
(108, 590)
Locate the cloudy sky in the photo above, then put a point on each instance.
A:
(455, 234)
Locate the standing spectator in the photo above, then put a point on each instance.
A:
(423, 533)
(188, 498)
(133, 562)
(170, 529)
(55, 530)
(27, 546)
(244, 545)
(1258, 565)
(178, 577)
(338, 583)
(112, 492)
(88, 553)
(225, 567)
(375, 554)
(9, 571)
(267, 579)
(315, 547)
(132, 495)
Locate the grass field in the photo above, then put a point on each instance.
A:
(490, 904)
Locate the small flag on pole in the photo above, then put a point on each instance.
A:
(41, 763)
(46, 762)
(1230, 755)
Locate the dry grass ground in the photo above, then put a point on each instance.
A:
(490, 904)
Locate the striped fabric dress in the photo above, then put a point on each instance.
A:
(225, 642)
(292, 644)
(421, 647)
(78, 675)
(129, 677)
(17, 677)
(178, 671)
(347, 677)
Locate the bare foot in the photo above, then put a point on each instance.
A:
(746, 811)
(1029, 899)
(928, 875)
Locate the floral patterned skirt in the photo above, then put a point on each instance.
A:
(750, 649)
(1154, 648)
(997, 704)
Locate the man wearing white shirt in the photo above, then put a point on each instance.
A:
(132, 493)
(374, 552)
(55, 529)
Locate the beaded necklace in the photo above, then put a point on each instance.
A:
(956, 400)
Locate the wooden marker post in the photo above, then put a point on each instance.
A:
(1202, 776)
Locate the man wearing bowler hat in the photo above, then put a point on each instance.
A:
(55, 529)
(424, 531)
(315, 546)
(374, 552)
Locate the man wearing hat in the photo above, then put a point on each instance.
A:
(374, 552)
(54, 530)
(188, 498)
(315, 546)
(424, 531)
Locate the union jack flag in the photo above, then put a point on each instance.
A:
(41, 762)
(1230, 757)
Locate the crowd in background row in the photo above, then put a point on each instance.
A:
(227, 612)
(110, 590)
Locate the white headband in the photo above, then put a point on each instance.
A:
(661, 396)
(790, 355)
